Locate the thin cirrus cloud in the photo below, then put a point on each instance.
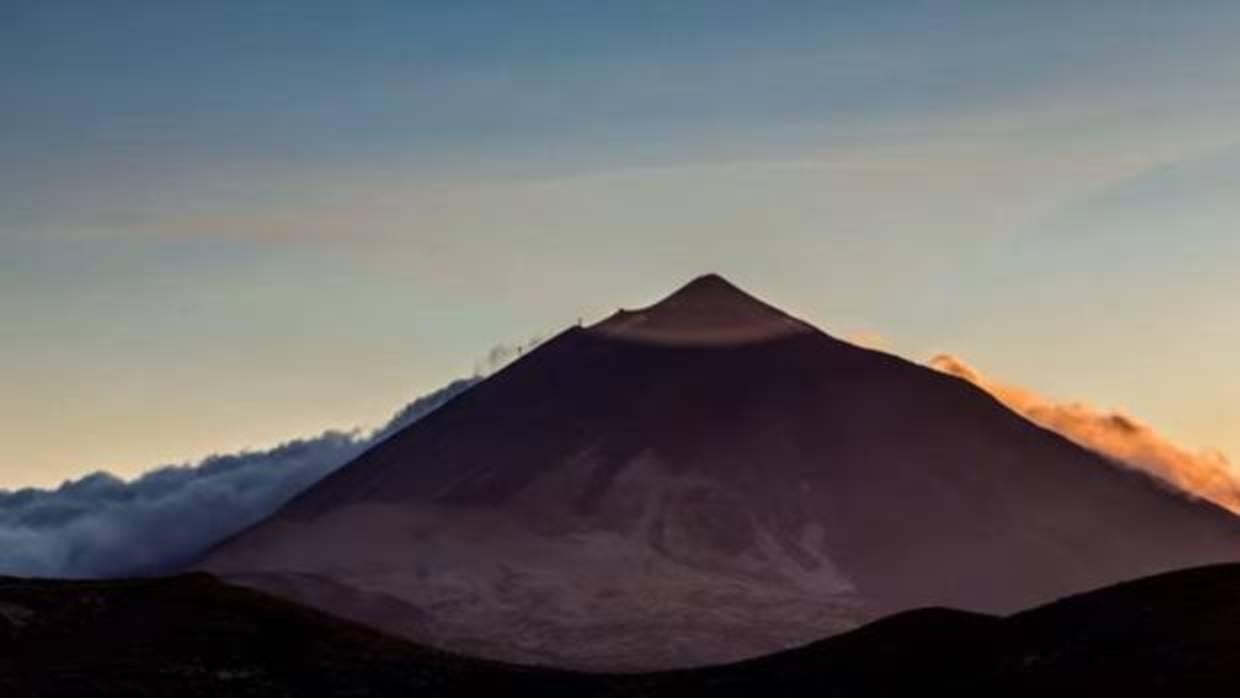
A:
(1119, 437)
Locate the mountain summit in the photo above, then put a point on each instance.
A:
(707, 310)
(703, 480)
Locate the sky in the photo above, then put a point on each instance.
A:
(225, 225)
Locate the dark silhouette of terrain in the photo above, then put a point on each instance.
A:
(193, 635)
(704, 480)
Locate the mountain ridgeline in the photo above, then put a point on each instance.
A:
(705, 480)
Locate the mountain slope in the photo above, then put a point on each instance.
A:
(704, 480)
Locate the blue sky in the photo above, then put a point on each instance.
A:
(226, 224)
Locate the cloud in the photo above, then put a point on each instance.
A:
(504, 354)
(1120, 437)
(103, 526)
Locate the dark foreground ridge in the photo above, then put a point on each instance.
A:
(195, 636)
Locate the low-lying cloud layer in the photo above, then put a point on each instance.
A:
(102, 526)
(1119, 437)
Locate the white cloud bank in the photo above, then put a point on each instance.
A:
(103, 526)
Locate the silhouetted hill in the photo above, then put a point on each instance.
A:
(1172, 634)
(195, 636)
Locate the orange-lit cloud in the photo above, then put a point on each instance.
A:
(1119, 437)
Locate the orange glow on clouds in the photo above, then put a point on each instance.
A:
(1119, 437)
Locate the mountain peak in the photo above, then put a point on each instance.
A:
(709, 310)
(592, 505)
(709, 288)
(711, 282)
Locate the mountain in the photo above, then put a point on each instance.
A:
(196, 636)
(704, 480)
